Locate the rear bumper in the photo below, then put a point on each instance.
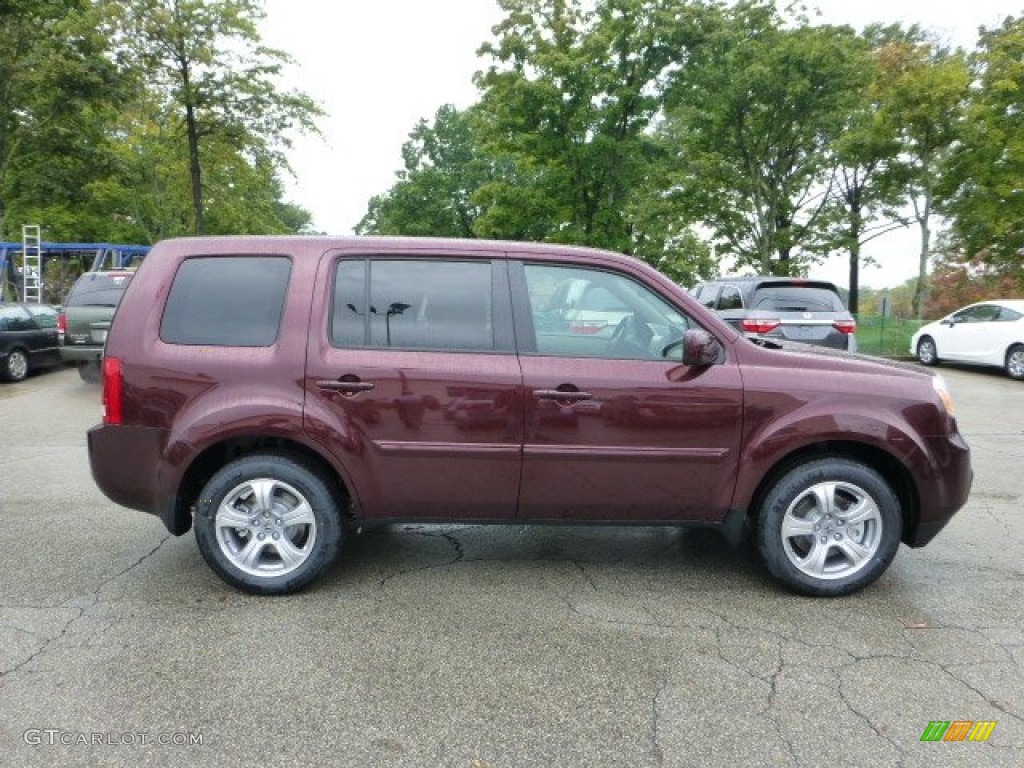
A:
(80, 354)
(125, 463)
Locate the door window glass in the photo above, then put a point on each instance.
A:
(592, 313)
(413, 304)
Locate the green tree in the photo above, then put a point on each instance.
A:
(570, 95)
(216, 83)
(927, 88)
(59, 88)
(438, 190)
(869, 182)
(753, 113)
(986, 179)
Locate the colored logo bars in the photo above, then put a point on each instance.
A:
(958, 730)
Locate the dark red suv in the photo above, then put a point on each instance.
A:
(274, 393)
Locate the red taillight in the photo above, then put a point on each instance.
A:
(846, 326)
(759, 325)
(62, 326)
(112, 385)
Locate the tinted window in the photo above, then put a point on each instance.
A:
(98, 289)
(1007, 315)
(15, 319)
(45, 317)
(797, 299)
(226, 301)
(730, 298)
(707, 294)
(413, 304)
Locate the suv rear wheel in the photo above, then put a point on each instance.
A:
(267, 524)
(829, 527)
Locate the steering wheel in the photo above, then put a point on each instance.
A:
(631, 338)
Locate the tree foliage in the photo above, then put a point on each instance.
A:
(985, 197)
(753, 113)
(215, 81)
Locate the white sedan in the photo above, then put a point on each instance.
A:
(986, 333)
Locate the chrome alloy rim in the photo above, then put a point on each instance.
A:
(1015, 363)
(17, 365)
(265, 528)
(926, 351)
(832, 530)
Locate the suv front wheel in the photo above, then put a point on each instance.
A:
(267, 524)
(829, 527)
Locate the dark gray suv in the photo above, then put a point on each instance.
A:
(772, 309)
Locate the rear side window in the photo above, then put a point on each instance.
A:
(730, 298)
(797, 299)
(98, 290)
(413, 304)
(227, 301)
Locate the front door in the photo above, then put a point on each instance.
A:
(616, 427)
(413, 385)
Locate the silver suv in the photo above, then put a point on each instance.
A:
(773, 309)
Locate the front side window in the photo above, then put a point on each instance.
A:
(413, 304)
(229, 301)
(622, 320)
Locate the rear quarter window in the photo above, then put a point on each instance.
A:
(230, 301)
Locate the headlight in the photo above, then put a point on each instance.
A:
(939, 385)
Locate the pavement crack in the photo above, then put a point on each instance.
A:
(81, 606)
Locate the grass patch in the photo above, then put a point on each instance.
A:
(885, 336)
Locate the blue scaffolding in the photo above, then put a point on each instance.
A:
(94, 257)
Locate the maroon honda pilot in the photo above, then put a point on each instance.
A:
(276, 393)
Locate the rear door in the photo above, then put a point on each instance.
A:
(413, 385)
(616, 427)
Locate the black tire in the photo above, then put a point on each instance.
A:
(927, 352)
(90, 371)
(230, 519)
(837, 557)
(1015, 362)
(16, 365)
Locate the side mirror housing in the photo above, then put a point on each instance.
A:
(700, 348)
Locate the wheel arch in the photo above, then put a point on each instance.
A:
(213, 457)
(892, 470)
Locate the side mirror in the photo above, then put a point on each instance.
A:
(700, 348)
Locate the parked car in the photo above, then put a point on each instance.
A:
(84, 323)
(274, 393)
(769, 309)
(986, 333)
(28, 339)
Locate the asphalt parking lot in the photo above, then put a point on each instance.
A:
(494, 647)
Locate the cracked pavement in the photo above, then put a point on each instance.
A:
(483, 647)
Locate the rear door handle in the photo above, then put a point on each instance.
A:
(345, 387)
(561, 395)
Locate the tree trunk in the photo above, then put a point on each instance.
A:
(195, 171)
(853, 303)
(921, 289)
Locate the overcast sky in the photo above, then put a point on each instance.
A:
(378, 67)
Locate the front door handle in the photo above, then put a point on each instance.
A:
(562, 396)
(345, 387)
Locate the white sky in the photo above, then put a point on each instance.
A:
(378, 66)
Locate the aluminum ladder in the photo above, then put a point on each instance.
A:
(31, 264)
